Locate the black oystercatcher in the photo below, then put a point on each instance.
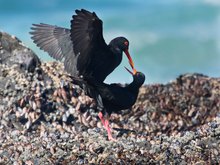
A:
(89, 59)
(113, 97)
(82, 48)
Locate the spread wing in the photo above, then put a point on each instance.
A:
(57, 43)
(88, 42)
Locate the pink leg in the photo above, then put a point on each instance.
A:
(109, 131)
(105, 123)
(102, 118)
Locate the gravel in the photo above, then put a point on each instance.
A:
(46, 119)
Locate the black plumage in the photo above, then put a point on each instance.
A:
(82, 48)
(113, 97)
(90, 60)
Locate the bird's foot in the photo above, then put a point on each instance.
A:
(105, 123)
(110, 138)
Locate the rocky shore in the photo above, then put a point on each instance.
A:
(46, 119)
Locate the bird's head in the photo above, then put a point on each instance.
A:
(138, 77)
(121, 44)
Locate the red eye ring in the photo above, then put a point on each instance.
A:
(126, 43)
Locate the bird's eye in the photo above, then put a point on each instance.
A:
(126, 43)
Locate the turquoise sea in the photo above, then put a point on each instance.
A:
(167, 37)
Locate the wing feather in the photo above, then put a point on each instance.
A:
(87, 37)
(57, 43)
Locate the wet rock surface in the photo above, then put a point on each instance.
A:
(46, 119)
(13, 52)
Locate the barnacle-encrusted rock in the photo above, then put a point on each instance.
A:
(46, 119)
(13, 52)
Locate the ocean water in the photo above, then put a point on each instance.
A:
(167, 38)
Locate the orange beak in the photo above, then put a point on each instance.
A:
(132, 73)
(129, 59)
(130, 62)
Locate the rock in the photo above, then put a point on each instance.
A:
(42, 126)
(46, 121)
(12, 51)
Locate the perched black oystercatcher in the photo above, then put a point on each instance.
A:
(82, 48)
(113, 97)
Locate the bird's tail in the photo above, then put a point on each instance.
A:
(89, 90)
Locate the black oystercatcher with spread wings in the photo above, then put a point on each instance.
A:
(82, 48)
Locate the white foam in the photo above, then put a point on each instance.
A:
(213, 2)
